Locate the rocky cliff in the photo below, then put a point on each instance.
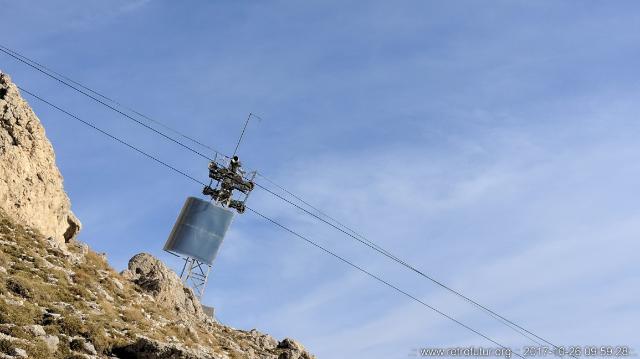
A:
(30, 183)
(59, 299)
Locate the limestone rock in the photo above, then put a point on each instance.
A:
(263, 340)
(20, 353)
(89, 348)
(52, 342)
(294, 350)
(145, 348)
(36, 330)
(31, 188)
(153, 276)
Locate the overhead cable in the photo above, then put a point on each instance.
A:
(119, 104)
(111, 136)
(336, 224)
(68, 84)
(363, 240)
(269, 219)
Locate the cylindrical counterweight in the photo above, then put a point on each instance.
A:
(199, 230)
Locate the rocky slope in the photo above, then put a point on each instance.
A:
(59, 299)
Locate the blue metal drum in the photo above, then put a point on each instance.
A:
(199, 230)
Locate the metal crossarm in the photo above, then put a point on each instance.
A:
(229, 178)
(195, 274)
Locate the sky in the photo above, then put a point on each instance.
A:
(491, 144)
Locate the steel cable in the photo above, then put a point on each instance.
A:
(307, 240)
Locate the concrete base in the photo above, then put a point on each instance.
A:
(210, 311)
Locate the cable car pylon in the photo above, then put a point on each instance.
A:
(201, 226)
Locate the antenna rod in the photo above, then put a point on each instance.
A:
(242, 134)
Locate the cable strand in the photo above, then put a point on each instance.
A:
(325, 250)
(340, 226)
(105, 104)
(379, 279)
(387, 254)
(111, 136)
(119, 104)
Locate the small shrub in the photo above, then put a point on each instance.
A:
(76, 344)
(19, 287)
(18, 332)
(71, 325)
(6, 347)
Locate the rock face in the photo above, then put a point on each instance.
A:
(30, 183)
(153, 276)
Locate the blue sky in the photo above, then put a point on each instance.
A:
(492, 144)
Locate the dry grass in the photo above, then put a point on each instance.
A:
(6, 347)
(37, 349)
(35, 274)
(25, 314)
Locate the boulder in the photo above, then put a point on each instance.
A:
(293, 350)
(157, 280)
(35, 330)
(52, 342)
(20, 353)
(262, 340)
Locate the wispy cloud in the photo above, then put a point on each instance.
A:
(535, 237)
(496, 154)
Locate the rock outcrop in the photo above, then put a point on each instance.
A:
(30, 183)
(163, 284)
(60, 303)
